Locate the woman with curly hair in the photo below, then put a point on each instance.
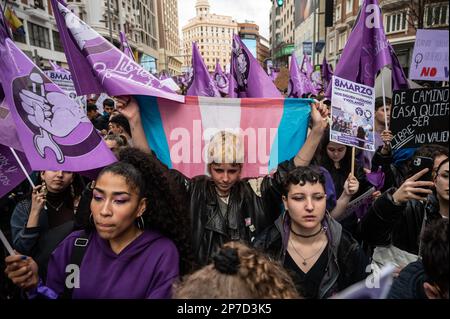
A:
(130, 250)
(238, 272)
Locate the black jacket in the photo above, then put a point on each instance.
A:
(400, 225)
(347, 262)
(409, 284)
(394, 175)
(254, 205)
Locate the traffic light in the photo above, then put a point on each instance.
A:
(280, 3)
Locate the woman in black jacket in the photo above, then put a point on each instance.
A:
(320, 255)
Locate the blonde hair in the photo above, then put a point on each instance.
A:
(225, 148)
(255, 277)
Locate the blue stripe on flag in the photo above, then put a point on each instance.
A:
(153, 128)
(292, 131)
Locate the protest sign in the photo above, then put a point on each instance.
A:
(64, 81)
(352, 113)
(419, 116)
(430, 58)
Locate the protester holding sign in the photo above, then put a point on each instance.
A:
(320, 255)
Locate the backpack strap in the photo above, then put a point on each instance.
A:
(78, 251)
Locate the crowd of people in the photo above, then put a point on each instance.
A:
(142, 230)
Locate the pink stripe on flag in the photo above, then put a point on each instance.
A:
(260, 119)
(184, 131)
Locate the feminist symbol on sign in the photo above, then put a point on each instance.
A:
(418, 59)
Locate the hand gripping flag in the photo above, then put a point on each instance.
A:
(367, 51)
(54, 131)
(299, 83)
(97, 66)
(248, 78)
(201, 83)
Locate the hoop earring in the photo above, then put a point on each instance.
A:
(140, 222)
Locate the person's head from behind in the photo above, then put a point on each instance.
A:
(91, 110)
(305, 199)
(380, 114)
(238, 272)
(108, 106)
(435, 259)
(225, 159)
(115, 142)
(441, 181)
(118, 201)
(119, 125)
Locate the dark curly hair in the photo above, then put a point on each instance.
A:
(167, 211)
(302, 175)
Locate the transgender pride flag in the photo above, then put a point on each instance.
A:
(272, 130)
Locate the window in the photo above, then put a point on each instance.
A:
(396, 22)
(348, 6)
(342, 40)
(332, 47)
(39, 36)
(436, 15)
(56, 42)
(338, 12)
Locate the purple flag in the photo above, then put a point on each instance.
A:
(248, 78)
(58, 68)
(221, 79)
(125, 47)
(98, 66)
(201, 83)
(53, 130)
(299, 83)
(11, 174)
(307, 67)
(367, 50)
(327, 73)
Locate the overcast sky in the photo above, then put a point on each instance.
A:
(241, 10)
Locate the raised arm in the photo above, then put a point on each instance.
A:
(319, 118)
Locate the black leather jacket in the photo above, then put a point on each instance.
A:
(347, 263)
(400, 225)
(254, 204)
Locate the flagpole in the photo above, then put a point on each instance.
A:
(384, 101)
(22, 167)
(353, 160)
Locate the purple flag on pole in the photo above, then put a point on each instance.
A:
(307, 67)
(201, 83)
(367, 50)
(221, 79)
(248, 78)
(124, 46)
(11, 174)
(58, 68)
(53, 130)
(98, 66)
(327, 73)
(299, 83)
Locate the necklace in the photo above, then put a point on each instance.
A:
(305, 259)
(308, 236)
(57, 208)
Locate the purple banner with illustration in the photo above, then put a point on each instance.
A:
(125, 47)
(248, 79)
(98, 66)
(221, 79)
(201, 83)
(299, 83)
(11, 174)
(53, 130)
(430, 58)
(8, 130)
(352, 114)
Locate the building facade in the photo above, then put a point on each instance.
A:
(401, 19)
(137, 18)
(282, 32)
(257, 44)
(170, 58)
(213, 34)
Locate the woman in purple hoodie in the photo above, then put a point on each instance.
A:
(128, 253)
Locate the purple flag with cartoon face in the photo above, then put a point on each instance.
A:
(98, 66)
(53, 130)
(221, 79)
(11, 174)
(307, 67)
(299, 84)
(200, 83)
(124, 46)
(248, 78)
(367, 50)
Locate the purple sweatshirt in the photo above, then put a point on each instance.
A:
(146, 268)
